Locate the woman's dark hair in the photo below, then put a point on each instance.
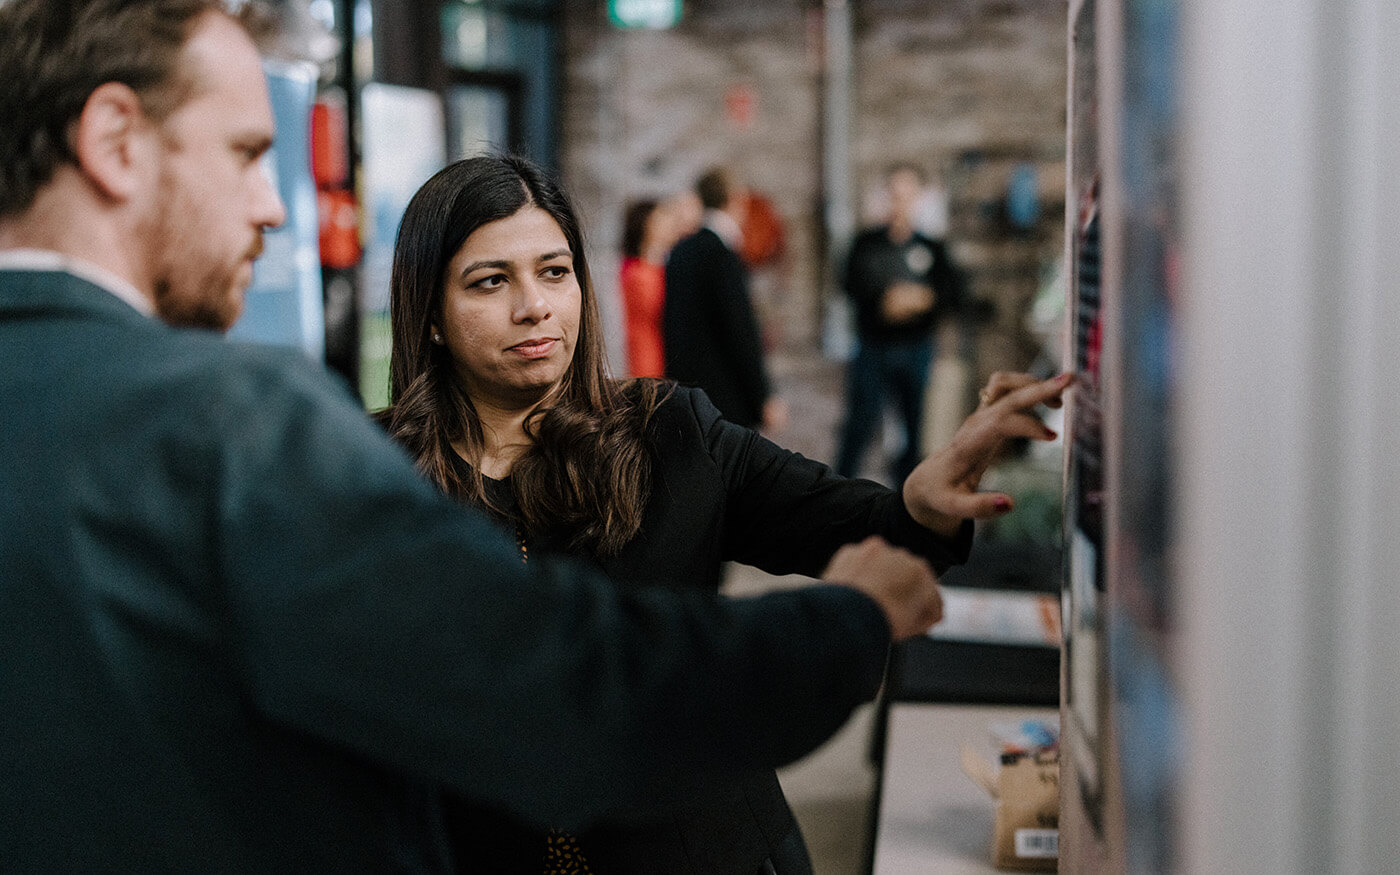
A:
(634, 226)
(588, 474)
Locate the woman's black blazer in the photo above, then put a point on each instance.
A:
(720, 493)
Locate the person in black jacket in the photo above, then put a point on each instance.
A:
(902, 285)
(499, 391)
(711, 335)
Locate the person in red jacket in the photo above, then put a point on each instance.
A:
(650, 229)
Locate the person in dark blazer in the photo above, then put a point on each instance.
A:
(711, 334)
(241, 632)
(499, 391)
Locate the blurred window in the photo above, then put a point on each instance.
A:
(478, 120)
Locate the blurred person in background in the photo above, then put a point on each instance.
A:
(902, 285)
(650, 228)
(687, 210)
(499, 391)
(711, 334)
(241, 633)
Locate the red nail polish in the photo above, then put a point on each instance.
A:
(1001, 504)
(1051, 434)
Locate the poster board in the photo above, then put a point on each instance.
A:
(1119, 736)
(1141, 625)
(1085, 689)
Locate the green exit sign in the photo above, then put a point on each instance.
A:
(653, 14)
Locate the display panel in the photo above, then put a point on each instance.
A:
(1086, 697)
(1141, 623)
(1119, 731)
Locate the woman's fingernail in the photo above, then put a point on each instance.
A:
(1001, 504)
(1066, 377)
(1051, 434)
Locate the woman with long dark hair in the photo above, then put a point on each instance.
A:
(465, 420)
(499, 389)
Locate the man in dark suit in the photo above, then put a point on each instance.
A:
(240, 633)
(711, 335)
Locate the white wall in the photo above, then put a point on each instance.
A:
(1289, 562)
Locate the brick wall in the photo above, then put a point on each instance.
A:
(965, 88)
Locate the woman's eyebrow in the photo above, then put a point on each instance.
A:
(478, 265)
(502, 264)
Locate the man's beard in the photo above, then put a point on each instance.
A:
(190, 293)
(190, 311)
(213, 303)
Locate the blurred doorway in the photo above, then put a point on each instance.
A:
(483, 115)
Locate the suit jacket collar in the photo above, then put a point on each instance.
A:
(725, 228)
(50, 260)
(27, 293)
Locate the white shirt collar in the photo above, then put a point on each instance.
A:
(725, 227)
(48, 260)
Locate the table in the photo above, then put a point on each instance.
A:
(931, 819)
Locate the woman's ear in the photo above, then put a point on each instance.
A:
(436, 334)
(115, 142)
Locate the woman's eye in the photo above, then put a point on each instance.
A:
(494, 281)
(557, 272)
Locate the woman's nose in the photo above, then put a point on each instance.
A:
(532, 306)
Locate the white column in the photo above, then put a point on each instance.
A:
(839, 217)
(1289, 436)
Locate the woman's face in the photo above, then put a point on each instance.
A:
(510, 309)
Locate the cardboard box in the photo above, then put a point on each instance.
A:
(1026, 834)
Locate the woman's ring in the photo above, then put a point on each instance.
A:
(986, 396)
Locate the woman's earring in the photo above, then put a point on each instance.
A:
(437, 338)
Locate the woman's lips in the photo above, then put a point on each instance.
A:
(534, 348)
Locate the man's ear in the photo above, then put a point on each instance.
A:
(113, 139)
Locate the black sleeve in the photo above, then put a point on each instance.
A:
(369, 611)
(788, 514)
(738, 330)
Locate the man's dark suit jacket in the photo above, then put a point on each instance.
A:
(711, 334)
(242, 635)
